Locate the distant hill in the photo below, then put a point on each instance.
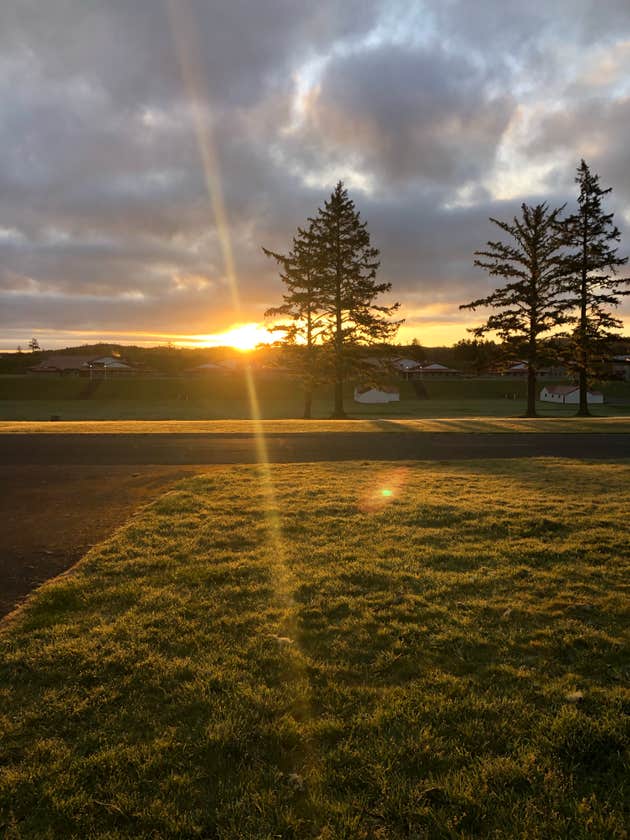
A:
(165, 360)
(172, 361)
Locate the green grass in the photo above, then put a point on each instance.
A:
(363, 650)
(477, 425)
(225, 397)
(126, 410)
(232, 387)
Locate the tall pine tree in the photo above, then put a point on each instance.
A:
(306, 324)
(347, 266)
(528, 306)
(591, 283)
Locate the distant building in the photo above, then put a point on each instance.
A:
(376, 394)
(207, 368)
(110, 364)
(407, 368)
(82, 366)
(435, 369)
(517, 369)
(521, 368)
(569, 395)
(620, 367)
(410, 369)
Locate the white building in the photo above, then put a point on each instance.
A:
(569, 395)
(373, 394)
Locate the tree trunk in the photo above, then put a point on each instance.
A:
(338, 412)
(531, 391)
(532, 356)
(308, 380)
(583, 408)
(308, 399)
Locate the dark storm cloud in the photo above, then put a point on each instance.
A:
(105, 218)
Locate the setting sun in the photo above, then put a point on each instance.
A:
(243, 337)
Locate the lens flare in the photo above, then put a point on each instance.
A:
(383, 489)
(185, 36)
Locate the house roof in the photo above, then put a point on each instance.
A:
(206, 366)
(109, 362)
(560, 389)
(406, 364)
(383, 389)
(79, 363)
(64, 363)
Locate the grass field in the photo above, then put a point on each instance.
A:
(224, 397)
(351, 651)
(76, 410)
(476, 425)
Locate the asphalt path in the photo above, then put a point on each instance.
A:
(180, 449)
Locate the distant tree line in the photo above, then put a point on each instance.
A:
(476, 356)
(561, 287)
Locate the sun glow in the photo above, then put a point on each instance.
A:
(243, 337)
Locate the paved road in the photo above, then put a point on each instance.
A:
(129, 449)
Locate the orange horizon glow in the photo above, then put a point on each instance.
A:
(243, 337)
(240, 336)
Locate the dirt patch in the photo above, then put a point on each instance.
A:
(51, 515)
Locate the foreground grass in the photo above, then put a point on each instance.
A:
(480, 425)
(375, 651)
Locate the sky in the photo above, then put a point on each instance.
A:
(148, 149)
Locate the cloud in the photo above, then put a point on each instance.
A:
(105, 217)
(403, 114)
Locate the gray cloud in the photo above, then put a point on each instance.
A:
(407, 114)
(105, 218)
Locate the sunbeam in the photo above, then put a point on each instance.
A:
(193, 77)
(181, 19)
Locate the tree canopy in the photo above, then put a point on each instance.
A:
(529, 306)
(331, 292)
(302, 307)
(591, 284)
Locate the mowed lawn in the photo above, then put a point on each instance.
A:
(280, 409)
(227, 397)
(473, 425)
(366, 650)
